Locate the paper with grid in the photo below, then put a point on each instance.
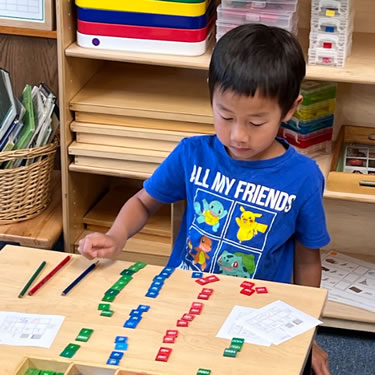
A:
(30, 10)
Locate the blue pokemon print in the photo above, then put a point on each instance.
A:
(211, 213)
(236, 264)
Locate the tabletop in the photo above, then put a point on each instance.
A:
(196, 346)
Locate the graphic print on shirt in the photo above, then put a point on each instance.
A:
(226, 236)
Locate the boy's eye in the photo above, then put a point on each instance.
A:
(257, 124)
(226, 118)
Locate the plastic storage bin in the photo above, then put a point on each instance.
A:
(320, 109)
(306, 140)
(317, 91)
(267, 5)
(306, 127)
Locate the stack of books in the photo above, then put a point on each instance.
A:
(27, 122)
(181, 27)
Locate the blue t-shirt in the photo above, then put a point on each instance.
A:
(242, 217)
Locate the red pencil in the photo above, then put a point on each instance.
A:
(46, 278)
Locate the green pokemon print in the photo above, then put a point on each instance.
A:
(210, 214)
(236, 264)
(248, 227)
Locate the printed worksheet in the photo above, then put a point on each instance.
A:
(279, 322)
(21, 329)
(349, 280)
(30, 10)
(233, 327)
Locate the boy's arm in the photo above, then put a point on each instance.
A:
(308, 272)
(130, 220)
(307, 266)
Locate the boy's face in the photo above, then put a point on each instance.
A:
(247, 126)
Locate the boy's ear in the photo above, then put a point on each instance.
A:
(294, 107)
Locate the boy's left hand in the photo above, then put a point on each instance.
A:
(319, 360)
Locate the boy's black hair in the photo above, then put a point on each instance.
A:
(255, 57)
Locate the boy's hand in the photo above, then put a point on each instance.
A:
(99, 245)
(319, 360)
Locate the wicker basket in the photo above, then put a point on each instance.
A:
(25, 191)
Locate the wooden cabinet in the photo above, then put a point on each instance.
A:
(164, 93)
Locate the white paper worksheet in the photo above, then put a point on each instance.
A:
(279, 322)
(233, 327)
(32, 10)
(21, 329)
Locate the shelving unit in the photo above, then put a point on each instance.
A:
(117, 91)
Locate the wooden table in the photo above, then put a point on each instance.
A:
(196, 346)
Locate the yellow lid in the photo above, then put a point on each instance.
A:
(148, 6)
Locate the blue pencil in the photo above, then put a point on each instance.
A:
(78, 279)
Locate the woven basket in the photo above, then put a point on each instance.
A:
(25, 191)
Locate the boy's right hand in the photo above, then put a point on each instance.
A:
(99, 245)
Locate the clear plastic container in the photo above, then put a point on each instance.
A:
(222, 28)
(332, 25)
(316, 150)
(306, 127)
(306, 140)
(317, 91)
(241, 16)
(331, 8)
(282, 6)
(313, 111)
(335, 42)
(329, 57)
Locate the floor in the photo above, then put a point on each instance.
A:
(350, 352)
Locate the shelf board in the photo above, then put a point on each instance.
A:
(28, 32)
(190, 62)
(41, 231)
(145, 91)
(358, 68)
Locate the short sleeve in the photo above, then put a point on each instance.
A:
(311, 227)
(168, 182)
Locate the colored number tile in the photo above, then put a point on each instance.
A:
(247, 292)
(140, 265)
(188, 317)
(197, 305)
(195, 311)
(152, 294)
(208, 291)
(182, 323)
(197, 275)
(228, 352)
(113, 361)
(158, 278)
(130, 324)
(202, 281)
(133, 268)
(236, 347)
(116, 355)
(171, 332)
(135, 312)
(107, 313)
(212, 278)
(47, 372)
(203, 371)
(127, 272)
(237, 340)
(154, 288)
(111, 292)
(162, 358)
(157, 283)
(169, 339)
(121, 339)
(261, 290)
(164, 350)
(247, 285)
(69, 350)
(104, 306)
(203, 296)
(108, 298)
(144, 308)
(84, 334)
(121, 346)
(32, 371)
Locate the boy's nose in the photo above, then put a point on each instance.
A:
(239, 133)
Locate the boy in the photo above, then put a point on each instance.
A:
(254, 205)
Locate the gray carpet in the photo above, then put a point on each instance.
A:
(350, 352)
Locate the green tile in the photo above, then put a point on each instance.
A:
(203, 371)
(84, 334)
(111, 292)
(70, 350)
(47, 372)
(104, 306)
(127, 272)
(32, 371)
(228, 352)
(108, 313)
(108, 298)
(235, 347)
(237, 340)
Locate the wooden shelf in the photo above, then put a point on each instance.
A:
(28, 32)
(146, 91)
(358, 67)
(41, 231)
